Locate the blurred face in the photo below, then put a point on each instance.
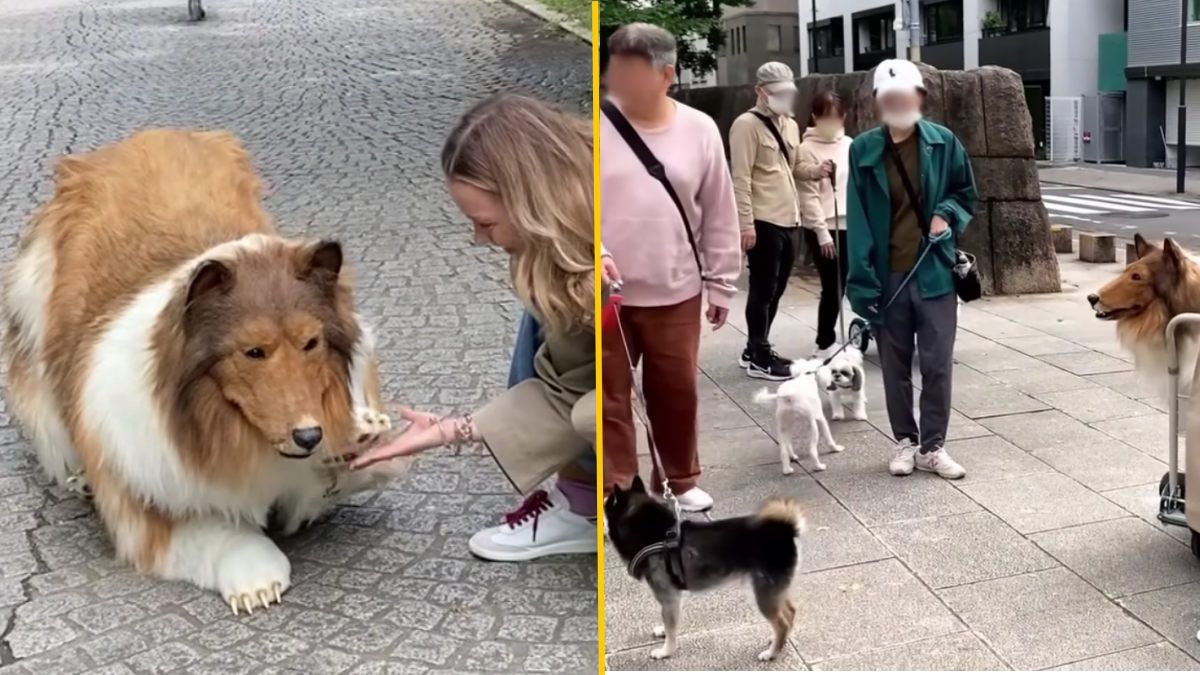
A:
(635, 81)
(779, 98)
(900, 109)
(831, 124)
(488, 216)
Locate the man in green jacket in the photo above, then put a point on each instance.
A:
(887, 240)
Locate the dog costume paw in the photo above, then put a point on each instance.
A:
(369, 425)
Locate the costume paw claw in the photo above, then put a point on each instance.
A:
(260, 599)
(369, 426)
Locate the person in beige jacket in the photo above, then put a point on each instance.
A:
(767, 166)
(823, 210)
(521, 172)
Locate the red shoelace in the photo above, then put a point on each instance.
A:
(535, 504)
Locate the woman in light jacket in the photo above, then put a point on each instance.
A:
(823, 210)
(521, 172)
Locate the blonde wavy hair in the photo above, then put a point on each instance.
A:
(537, 160)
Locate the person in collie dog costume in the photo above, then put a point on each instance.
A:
(197, 371)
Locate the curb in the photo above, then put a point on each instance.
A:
(554, 18)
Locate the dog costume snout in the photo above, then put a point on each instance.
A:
(307, 438)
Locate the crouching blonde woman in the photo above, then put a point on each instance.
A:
(521, 172)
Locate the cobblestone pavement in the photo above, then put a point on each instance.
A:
(1047, 555)
(344, 104)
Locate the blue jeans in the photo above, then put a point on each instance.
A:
(529, 340)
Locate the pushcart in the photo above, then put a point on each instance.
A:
(1173, 487)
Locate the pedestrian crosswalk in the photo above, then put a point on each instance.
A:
(1068, 201)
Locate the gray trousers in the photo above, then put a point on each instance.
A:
(933, 322)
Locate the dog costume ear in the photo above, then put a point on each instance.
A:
(856, 382)
(1173, 258)
(1142, 248)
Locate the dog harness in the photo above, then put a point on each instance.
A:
(672, 548)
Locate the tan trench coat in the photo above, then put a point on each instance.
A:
(545, 423)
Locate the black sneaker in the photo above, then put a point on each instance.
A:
(745, 358)
(766, 365)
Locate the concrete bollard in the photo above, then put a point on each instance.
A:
(1095, 247)
(1061, 234)
(1130, 253)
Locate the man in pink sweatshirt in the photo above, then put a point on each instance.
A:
(673, 257)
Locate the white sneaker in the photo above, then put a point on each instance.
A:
(542, 525)
(939, 462)
(695, 500)
(902, 463)
(827, 352)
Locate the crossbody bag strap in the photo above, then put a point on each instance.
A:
(654, 167)
(914, 198)
(778, 136)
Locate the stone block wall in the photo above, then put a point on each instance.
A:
(986, 109)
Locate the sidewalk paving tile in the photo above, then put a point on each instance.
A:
(1045, 619)
(1096, 405)
(724, 650)
(1100, 553)
(1043, 379)
(994, 401)
(1088, 363)
(962, 549)
(1159, 657)
(1143, 502)
(1033, 432)
(1043, 501)
(1148, 433)
(958, 652)
(880, 498)
(1173, 612)
(870, 606)
(1042, 345)
(1105, 465)
(835, 538)
(991, 458)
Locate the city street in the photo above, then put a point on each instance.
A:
(1047, 555)
(344, 105)
(1124, 213)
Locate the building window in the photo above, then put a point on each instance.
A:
(743, 38)
(942, 22)
(796, 41)
(875, 34)
(774, 38)
(1019, 15)
(1193, 11)
(826, 41)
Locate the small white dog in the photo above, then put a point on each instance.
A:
(798, 414)
(844, 380)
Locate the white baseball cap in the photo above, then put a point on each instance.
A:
(776, 76)
(898, 76)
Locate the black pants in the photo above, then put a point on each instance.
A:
(833, 283)
(771, 262)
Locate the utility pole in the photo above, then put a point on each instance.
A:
(1181, 153)
(812, 39)
(914, 30)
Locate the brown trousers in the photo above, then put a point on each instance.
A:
(666, 340)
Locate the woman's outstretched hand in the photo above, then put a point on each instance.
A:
(425, 431)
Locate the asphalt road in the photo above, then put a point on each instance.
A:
(1155, 216)
(343, 104)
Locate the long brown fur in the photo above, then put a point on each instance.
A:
(1162, 283)
(126, 216)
